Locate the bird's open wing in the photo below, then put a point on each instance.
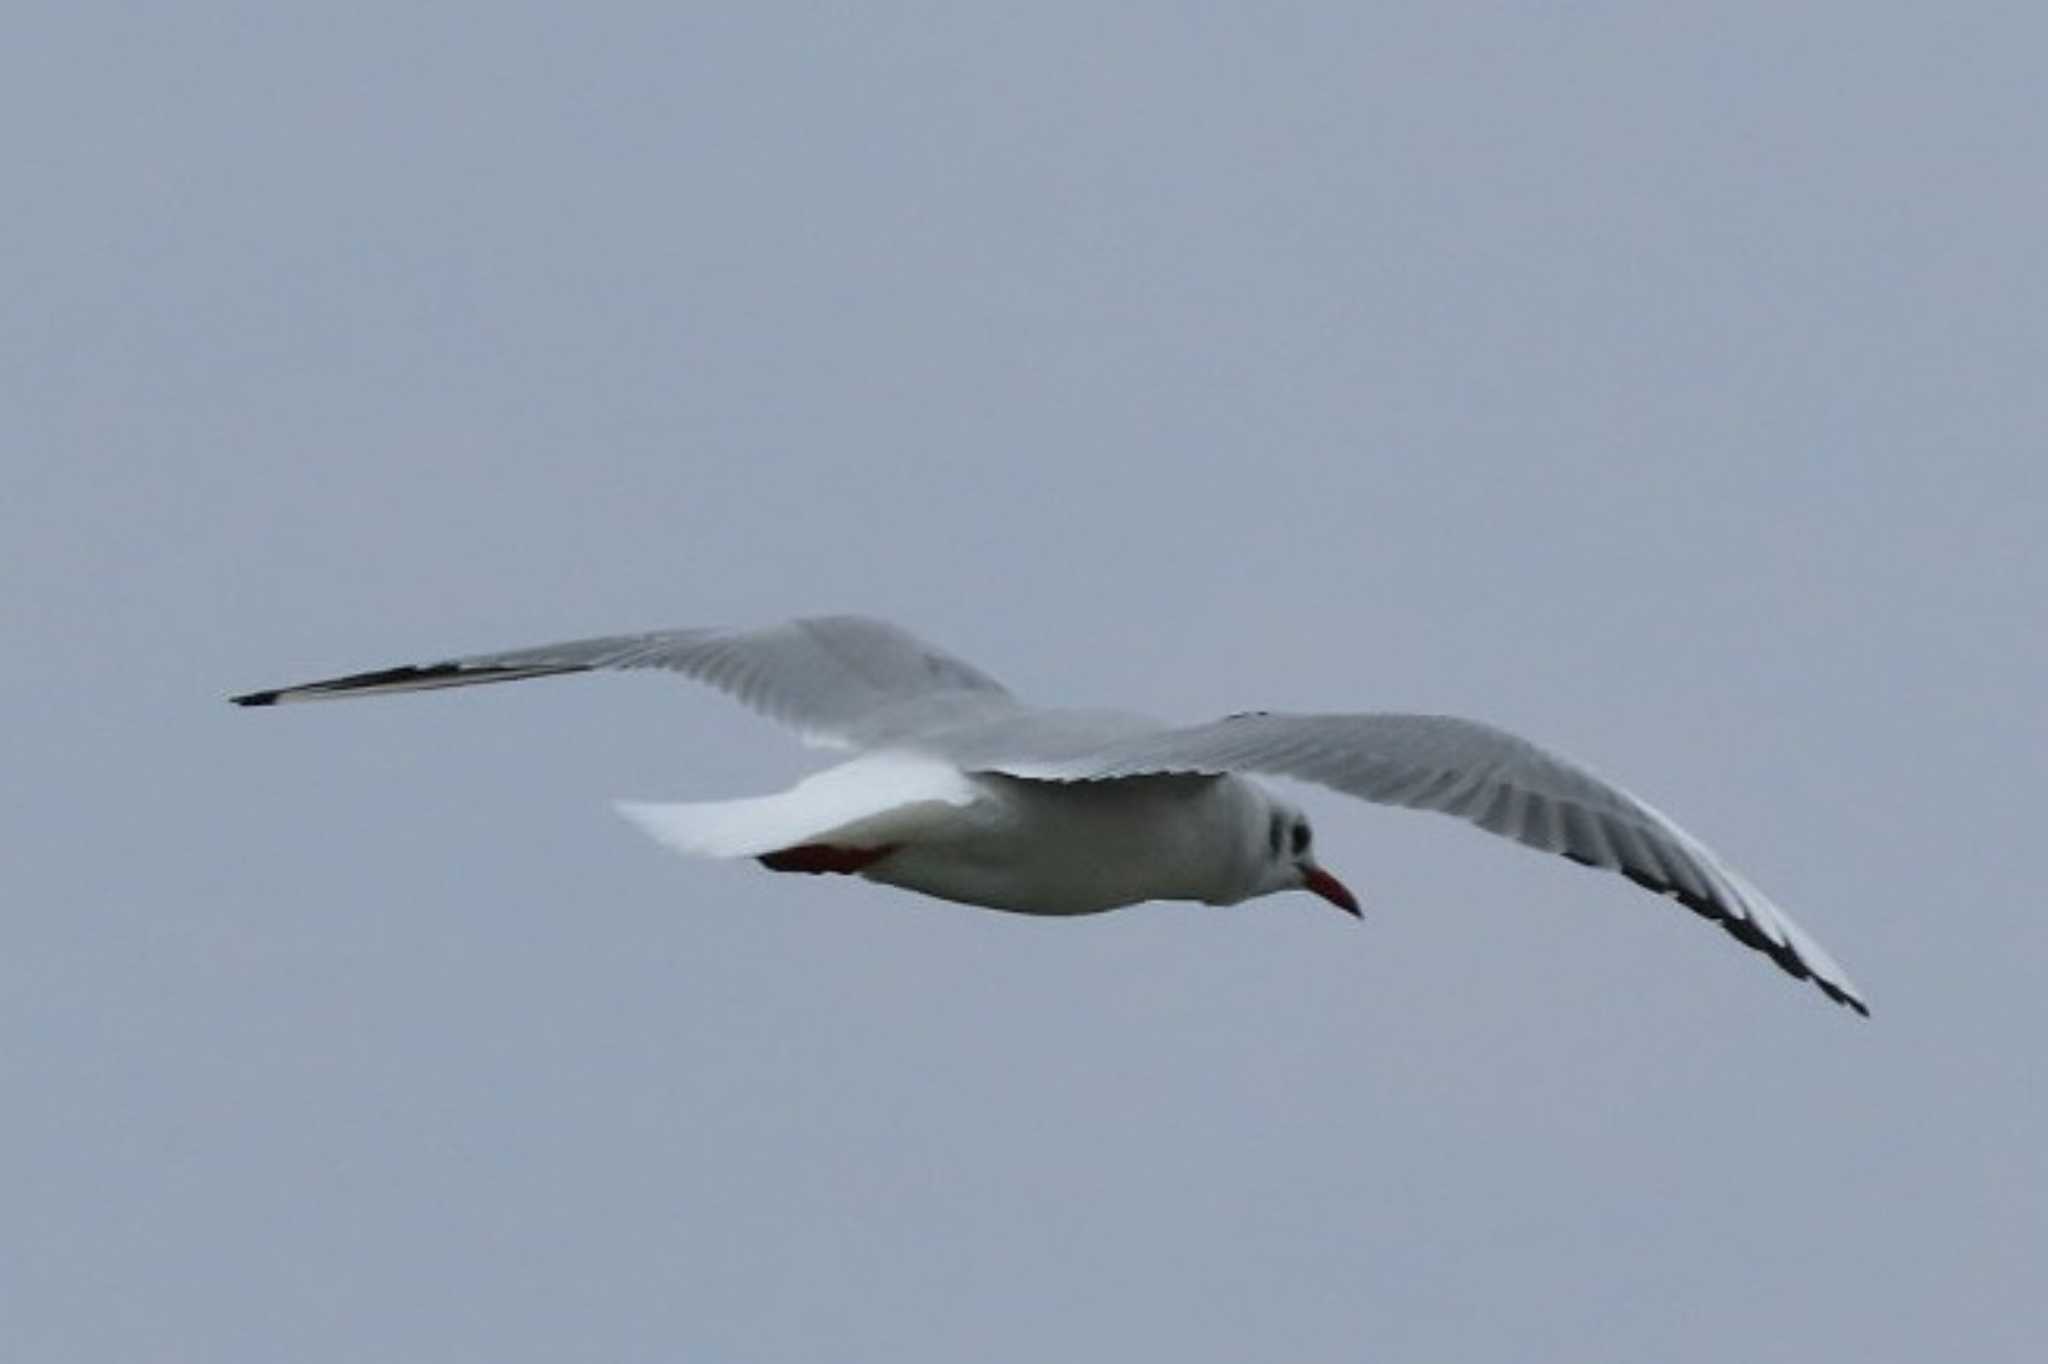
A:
(842, 680)
(1502, 783)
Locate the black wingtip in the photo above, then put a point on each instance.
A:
(1743, 931)
(255, 698)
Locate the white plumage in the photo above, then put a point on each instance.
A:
(959, 790)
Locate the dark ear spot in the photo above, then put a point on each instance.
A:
(1275, 831)
(1300, 837)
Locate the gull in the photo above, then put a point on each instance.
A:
(956, 789)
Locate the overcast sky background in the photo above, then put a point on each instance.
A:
(1664, 384)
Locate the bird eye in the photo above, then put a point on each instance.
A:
(1301, 836)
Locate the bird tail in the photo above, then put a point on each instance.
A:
(873, 800)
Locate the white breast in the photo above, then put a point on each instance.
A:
(1053, 848)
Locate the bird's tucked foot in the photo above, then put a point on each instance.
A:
(818, 858)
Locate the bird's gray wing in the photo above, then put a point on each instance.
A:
(1498, 781)
(843, 680)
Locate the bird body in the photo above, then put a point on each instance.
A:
(1156, 838)
(981, 838)
(958, 790)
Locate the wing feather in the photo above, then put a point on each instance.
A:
(1495, 779)
(846, 680)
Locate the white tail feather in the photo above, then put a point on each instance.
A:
(876, 799)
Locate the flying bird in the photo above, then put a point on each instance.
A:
(956, 789)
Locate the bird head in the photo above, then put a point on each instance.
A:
(1289, 860)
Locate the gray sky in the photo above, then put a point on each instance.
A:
(1667, 388)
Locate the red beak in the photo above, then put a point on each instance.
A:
(1331, 889)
